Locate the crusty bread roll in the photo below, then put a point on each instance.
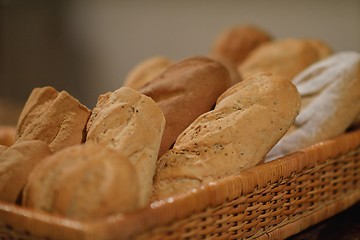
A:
(235, 43)
(184, 91)
(7, 135)
(85, 182)
(248, 120)
(145, 71)
(285, 57)
(132, 124)
(330, 92)
(16, 163)
(53, 117)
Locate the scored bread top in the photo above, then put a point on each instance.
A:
(184, 91)
(54, 117)
(248, 120)
(132, 124)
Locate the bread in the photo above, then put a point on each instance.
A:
(184, 91)
(3, 148)
(286, 57)
(330, 91)
(235, 76)
(132, 124)
(84, 182)
(7, 135)
(235, 43)
(248, 120)
(53, 117)
(145, 71)
(16, 163)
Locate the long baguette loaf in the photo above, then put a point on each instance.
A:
(132, 124)
(184, 91)
(248, 120)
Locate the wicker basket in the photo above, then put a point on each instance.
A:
(270, 201)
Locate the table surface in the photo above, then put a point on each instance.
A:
(343, 226)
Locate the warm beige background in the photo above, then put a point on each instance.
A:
(87, 47)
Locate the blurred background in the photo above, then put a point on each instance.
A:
(87, 47)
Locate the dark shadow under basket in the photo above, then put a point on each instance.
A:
(270, 201)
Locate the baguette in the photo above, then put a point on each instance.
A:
(131, 124)
(184, 91)
(248, 120)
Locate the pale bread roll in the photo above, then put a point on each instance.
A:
(84, 182)
(7, 135)
(330, 91)
(132, 124)
(246, 123)
(16, 163)
(145, 71)
(53, 117)
(184, 91)
(235, 43)
(285, 57)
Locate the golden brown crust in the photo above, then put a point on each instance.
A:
(286, 57)
(16, 163)
(246, 123)
(184, 91)
(132, 124)
(7, 135)
(53, 117)
(145, 71)
(84, 182)
(235, 44)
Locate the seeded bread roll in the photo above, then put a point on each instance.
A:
(248, 120)
(146, 71)
(84, 182)
(235, 43)
(330, 92)
(132, 124)
(7, 135)
(53, 117)
(16, 163)
(184, 91)
(286, 57)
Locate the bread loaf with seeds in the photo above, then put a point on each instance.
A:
(131, 124)
(247, 122)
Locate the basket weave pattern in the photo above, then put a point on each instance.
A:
(270, 201)
(275, 205)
